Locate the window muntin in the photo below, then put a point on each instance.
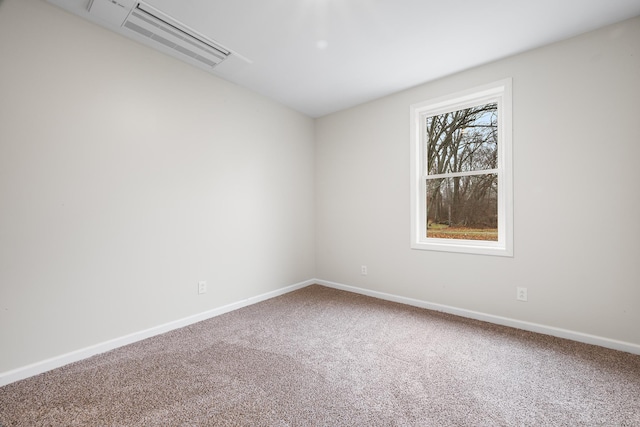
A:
(461, 172)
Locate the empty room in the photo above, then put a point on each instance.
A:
(319, 212)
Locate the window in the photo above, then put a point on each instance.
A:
(461, 181)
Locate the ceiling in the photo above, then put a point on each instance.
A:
(321, 56)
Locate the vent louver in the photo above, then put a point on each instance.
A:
(172, 36)
(160, 29)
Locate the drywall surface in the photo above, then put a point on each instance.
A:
(576, 144)
(126, 177)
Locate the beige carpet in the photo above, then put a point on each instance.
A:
(323, 357)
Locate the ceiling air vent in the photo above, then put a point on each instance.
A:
(158, 28)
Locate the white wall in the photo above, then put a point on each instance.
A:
(576, 107)
(126, 177)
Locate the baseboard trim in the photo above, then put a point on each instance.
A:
(18, 374)
(505, 321)
(14, 375)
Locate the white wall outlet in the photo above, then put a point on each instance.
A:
(521, 294)
(363, 270)
(202, 287)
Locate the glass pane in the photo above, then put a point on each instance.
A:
(463, 207)
(463, 140)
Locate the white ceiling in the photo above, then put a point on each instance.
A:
(321, 56)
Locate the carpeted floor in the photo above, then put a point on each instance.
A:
(323, 357)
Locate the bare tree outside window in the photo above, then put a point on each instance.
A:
(461, 171)
(462, 179)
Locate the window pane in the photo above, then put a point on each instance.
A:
(464, 207)
(463, 140)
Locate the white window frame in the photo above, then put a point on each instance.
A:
(500, 93)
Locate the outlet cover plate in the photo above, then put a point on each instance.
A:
(521, 294)
(202, 287)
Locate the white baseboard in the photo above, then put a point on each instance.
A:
(14, 375)
(505, 321)
(9, 377)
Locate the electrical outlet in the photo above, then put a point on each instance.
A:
(363, 270)
(202, 287)
(521, 294)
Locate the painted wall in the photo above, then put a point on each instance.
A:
(126, 177)
(576, 138)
